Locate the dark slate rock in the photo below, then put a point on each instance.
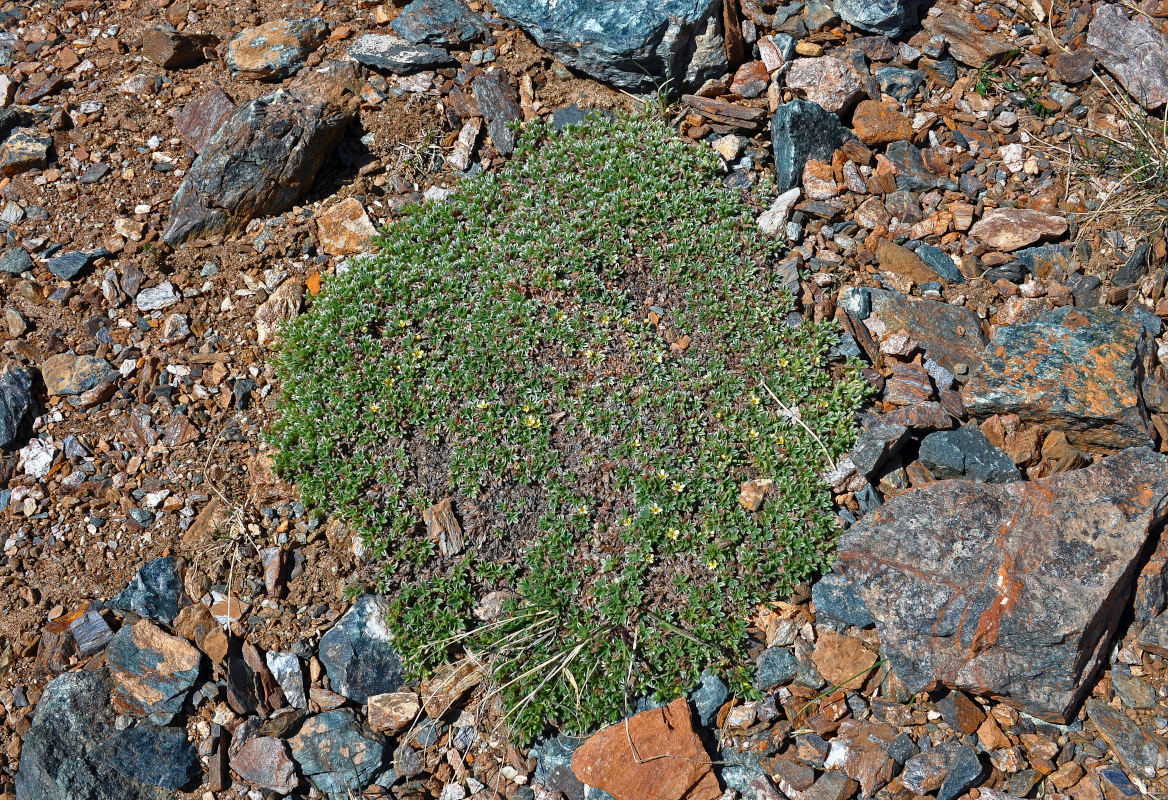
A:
(15, 261)
(64, 755)
(801, 131)
(1048, 260)
(574, 115)
(940, 262)
(441, 22)
(775, 666)
(1060, 554)
(69, 265)
(900, 83)
(500, 106)
(967, 453)
(553, 766)
(878, 443)
(640, 45)
(1140, 753)
(337, 756)
(1135, 267)
(1072, 369)
(263, 157)
(874, 16)
(153, 593)
(950, 768)
(709, 696)
(155, 756)
(392, 54)
(902, 748)
(911, 172)
(153, 672)
(835, 596)
(15, 399)
(358, 652)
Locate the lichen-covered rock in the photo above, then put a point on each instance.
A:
(1010, 590)
(1076, 370)
(335, 754)
(440, 22)
(383, 51)
(263, 157)
(153, 672)
(274, 50)
(641, 45)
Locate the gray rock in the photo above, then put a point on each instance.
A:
(640, 45)
(155, 756)
(802, 131)
(263, 157)
(948, 768)
(337, 756)
(1134, 50)
(940, 262)
(393, 54)
(878, 443)
(64, 754)
(285, 668)
(69, 265)
(836, 597)
(156, 298)
(153, 593)
(15, 400)
(775, 666)
(153, 672)
(441, 22)
(874, 16)
(709, 696)
(66, 374)
(358, 653)
(1132, 691)
(15, 261)
(500, 106)
(553, 766)
(967, 453)
(1142, 754)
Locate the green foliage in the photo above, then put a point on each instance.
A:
(581, 351)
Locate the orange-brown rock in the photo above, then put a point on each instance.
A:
(842, 658)
(345, 229)
(654, 755)
(880, 123)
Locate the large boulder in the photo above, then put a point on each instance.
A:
(1010, 590)
(640, 45)
(1134, 50)
(264, 156)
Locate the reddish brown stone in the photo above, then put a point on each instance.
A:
(666, 759)
(880, 123)
(750, 80)
(902, 261)
(200, 118)
(860, 749)
(1010, 229)
(842, 658)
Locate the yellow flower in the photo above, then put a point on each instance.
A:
(673, 533)
(606, 319)
(531, 421)
(658, 358)
(418, 353)
(482, 405)
(754, 400)
(401, 323)
(582, 510)
(753, 433)
(662, 474)
(375, 408)
(649, 558)
(526, 408)
(559, 316)
(678, 486)
(712, 564)
(627, 522)
(654, 509)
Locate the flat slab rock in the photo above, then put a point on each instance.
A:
(1133, 50)
(1075, 370)
(1008, 590)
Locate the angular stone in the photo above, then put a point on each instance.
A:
(967, 453)
(1011, 590)
(24, 149)
(15, 261)
(200, 118)
(634, 45)
(344, 228)
(967, 43)
(950, 335)
(880, 123)
(831, 786)
(940, 263)
(961, 713)
(335, 754)
(862, 751)
(155, 756)
(1142, 753)
(948, 769)
(775, 666)
(172, 49)
(1075, 370)
(66, 374)
(750, 80)
(608, 760)
(901, 261)
(153, 672)
(396, 55)
(448, 685)
(15, 400)
(500, 106)
(841, 659)
(1010, 229)
(154, 592)
(358, 653)
(392, 712)
(773, 221)
(801, 131)
(281, 306)
(875, 16)
(1134, 50)
(68, 266)
(195, 623)
(64, 755)
(274, 50)
(285, 668)
(836, 597)
(1073, 67)
(266, 762)
(156, 298)
(440, 22)
(263, 157)
(752, 493)
(827, 81)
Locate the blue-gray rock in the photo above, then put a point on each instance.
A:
(835, 596)
(69, 265)
(967, 453)
(1048, 260)
(902, 748)
(499, 103)
(441, 22)
(392, 54)
(1136, 265)
(153, 672)
(874, 16)
(801, 131)
(948, 768)
(262, 158)
(940, 262)
(878, 442)
(155, 756)
(15, 261)
(358, 653)
(66, 374)
(640, 45)
(709, 696)
(64, 754)
(337, 756)
(911, 172)
(15, 399)
(775, 666)
(899, 83)
(153, 593)
(553, 765)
